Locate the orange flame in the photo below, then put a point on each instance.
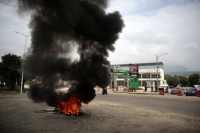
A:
(70, 106)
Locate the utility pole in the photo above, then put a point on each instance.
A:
(157, 69)
(23, 59)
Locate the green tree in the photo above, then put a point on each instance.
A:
(169, 79)
(183, 80)
(9, 69)
(194, 79)
(172, 80)
(176, 80)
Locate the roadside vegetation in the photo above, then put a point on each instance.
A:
(11, 73)
(184, 81)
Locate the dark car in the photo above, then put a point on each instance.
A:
(190, 92)
(174, 90)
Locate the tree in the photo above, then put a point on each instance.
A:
(176, 80)
(183, 80)
(169, 79)
(9, 69)
(172, 80)
(194, 79)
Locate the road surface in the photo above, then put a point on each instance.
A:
(112, 113)
(184, 105)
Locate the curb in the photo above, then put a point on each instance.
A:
(140, 93)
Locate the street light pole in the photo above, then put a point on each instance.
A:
(157, 69)
(157, 72)
(23, 59)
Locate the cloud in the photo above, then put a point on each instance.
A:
(7, 2)
(10, 42)
(149, 37)
(152, 27)
(158, 27)
(192, 46)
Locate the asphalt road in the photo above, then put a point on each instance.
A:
(184, 105)
(112, 113)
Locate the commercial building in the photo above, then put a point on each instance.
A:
(149, 74)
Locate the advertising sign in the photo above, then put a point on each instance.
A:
(133, 71)
(117, 69)
(133, 68)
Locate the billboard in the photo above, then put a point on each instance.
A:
(117, 69)
(133, 70)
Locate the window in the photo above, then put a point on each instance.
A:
(146, 75)
(134, 80)
(155, 75)
(120, 82)
(120, 77)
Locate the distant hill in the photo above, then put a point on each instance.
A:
(184, 73)
(178, 70)
(174, 68)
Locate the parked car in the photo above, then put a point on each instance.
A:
(190, 92)
(174, 90)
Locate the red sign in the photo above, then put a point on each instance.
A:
(133, 68)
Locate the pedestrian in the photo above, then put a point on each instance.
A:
(146, 88)
(113, 88)
(131, 89)
(134, 89)
(152, 88)
(166, 90)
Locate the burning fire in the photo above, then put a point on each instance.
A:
(70, 106)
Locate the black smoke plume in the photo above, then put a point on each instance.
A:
(57, 28)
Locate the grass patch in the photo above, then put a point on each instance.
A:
(6, 90)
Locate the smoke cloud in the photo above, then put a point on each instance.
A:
(57, 28)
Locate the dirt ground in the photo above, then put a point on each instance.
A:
(18, 114)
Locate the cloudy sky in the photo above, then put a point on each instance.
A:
(152, 27)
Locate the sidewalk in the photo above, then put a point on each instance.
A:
(139, 92)
(148, 92)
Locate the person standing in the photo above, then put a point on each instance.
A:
(134, 89)
(145, 88)
(166, 90)
(113, 88)
(152, 88)
(156, 89)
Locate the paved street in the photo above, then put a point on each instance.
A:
(112, 113)
(185, 105)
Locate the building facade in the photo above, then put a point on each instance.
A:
(149, 74)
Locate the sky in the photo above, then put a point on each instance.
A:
(152, 28)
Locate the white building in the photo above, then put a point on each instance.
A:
(147, 74)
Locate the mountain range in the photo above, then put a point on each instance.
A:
(178, 70)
